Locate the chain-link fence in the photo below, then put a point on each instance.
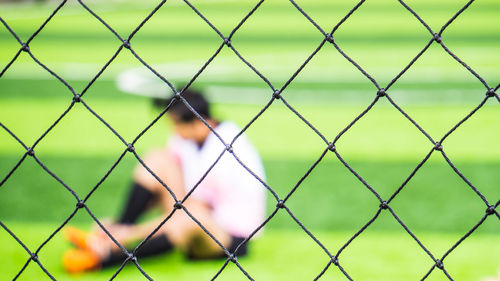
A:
(276, 95)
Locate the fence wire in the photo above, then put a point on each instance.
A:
(275, 95)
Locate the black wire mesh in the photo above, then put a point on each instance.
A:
(275, 95)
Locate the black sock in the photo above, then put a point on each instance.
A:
(138, 200)
(155, 245)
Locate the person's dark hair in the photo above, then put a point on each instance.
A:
(197, 101)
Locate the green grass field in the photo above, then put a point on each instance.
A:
(383, 147)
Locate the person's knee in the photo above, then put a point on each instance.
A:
(203, 247)
(155, 162)
(193, 239)
(180, 228)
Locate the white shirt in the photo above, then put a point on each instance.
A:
(236, 197)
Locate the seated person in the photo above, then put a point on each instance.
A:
(229, 201)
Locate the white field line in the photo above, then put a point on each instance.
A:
(224, 70)
(140, 81)
(259, 96)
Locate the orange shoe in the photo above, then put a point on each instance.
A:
(77, 261)
(77, 237)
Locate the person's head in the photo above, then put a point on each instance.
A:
(185, 122)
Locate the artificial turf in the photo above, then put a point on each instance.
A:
(383, 147)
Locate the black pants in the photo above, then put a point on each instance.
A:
(139, 199)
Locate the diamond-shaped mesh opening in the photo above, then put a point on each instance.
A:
(34, 270)
(471, 253)
(32, 236)
(76, 53)
(24, 20)
(477, 46)
(383, 131)
(278, 238)
(370, 251)
(336, 204)
(10, 46)
(325, 14)
(227, 81)
(436, 78)
(477, 146)
(159, 40)
(376, 23)
(440, 12)
(91, 134)
(283, 127)
(115, 185)
(224, 17)
(382, 57)
(282, 48)
(455, 209)
(329, 81)
(14, 250)
(124, 109)
(123, 19)
(11, 155)
(44, 191)
(231, 272)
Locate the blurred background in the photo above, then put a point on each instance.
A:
(383, 147)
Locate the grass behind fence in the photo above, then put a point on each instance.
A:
(383, 147)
